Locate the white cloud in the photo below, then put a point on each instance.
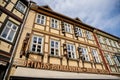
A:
(93, 12)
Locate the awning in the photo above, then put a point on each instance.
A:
(39, 73)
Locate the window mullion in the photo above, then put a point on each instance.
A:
(54, 48)
(9, 31)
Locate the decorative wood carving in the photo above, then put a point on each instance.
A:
(24, 45)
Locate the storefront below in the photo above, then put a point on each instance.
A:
(23, 73)
(3, 67)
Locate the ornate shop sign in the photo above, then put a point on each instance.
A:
(48, 66)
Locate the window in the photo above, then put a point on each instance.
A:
(55, 46)
(71, 51)
(67, 27)
(54, 23)
(116, 59)
(112, 43)
(95, 56)
(85, 54)
(116, 43)
(78, 31)
(9, 31)
(37, 44)
(101, 39)
(40, 19)
(109, 59)
(88, 34)
(107, 41)
(21, 7)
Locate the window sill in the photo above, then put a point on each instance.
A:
(69, 33)
(74, 59)
(87, 61)
(55, 28)
(111, 65)
(55, 56)
(90, 39)
(36, 53)
(97, 63)
(40, 24)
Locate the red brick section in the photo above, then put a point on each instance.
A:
(101, 52)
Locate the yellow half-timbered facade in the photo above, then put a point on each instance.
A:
(53, 42)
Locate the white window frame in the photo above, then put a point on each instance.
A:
(101, 39)
(79, 31)
(41, 51)
(41, 19)
(10, 30)
(112, 43)
(85, 54)
(108, 57)
(67, 27)
(71, 52)
(88, 35)
(19, 8)
(116, 43)
(54, 23)
(95, 56)
(55, 48)
(116, 61)
(107, 41)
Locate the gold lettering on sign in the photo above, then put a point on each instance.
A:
(40, 65)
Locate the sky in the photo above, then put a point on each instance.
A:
(102, 14)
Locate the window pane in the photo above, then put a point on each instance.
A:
(56, 44)
(72, 48)
(14, 27)
(43, 17)
(35, 40)
(4, 34)
(38, 48)
(9, 24)
(68, 47)
(11, 35)
(38, 21)
(57, 52)
(42, 21)
(33, 47)
(38, 16)
(52, 43)
(73, 55)
(39, 40)
(69, 54)
(52, 51)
